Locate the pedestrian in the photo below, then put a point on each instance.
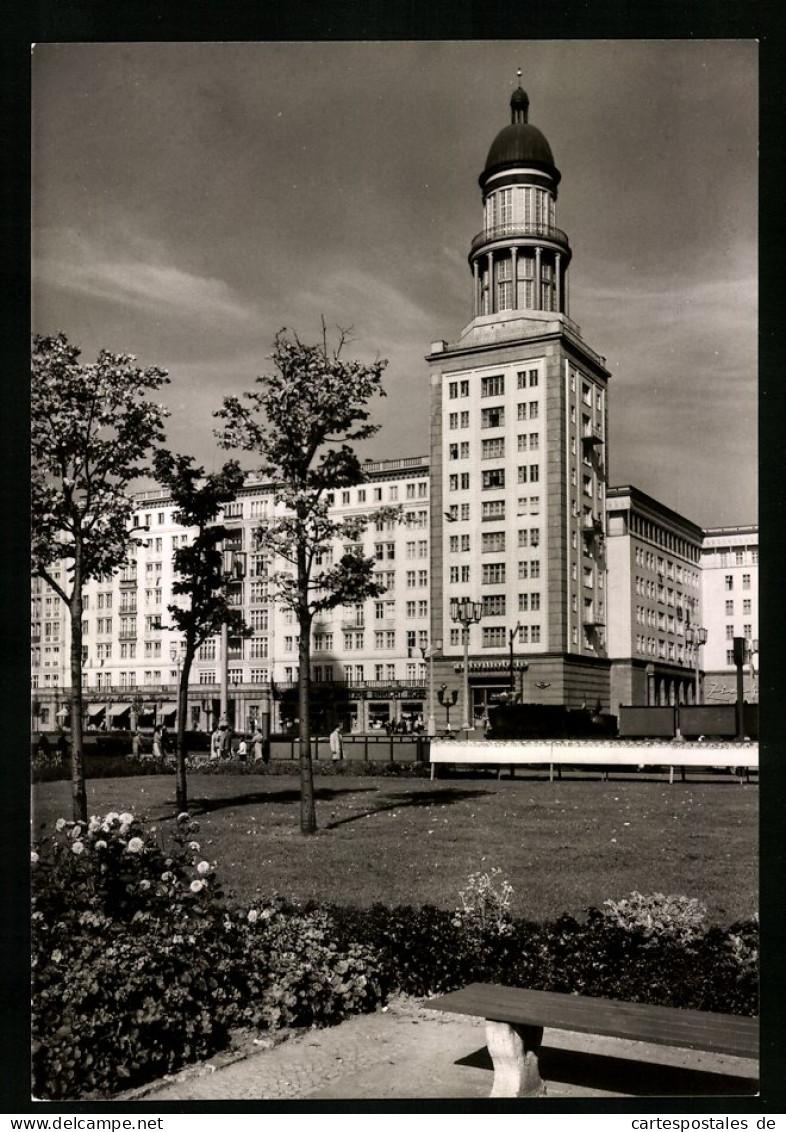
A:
(158, 744)
(136, 745)
(258, 741)
(43, 746)
(336, 744)
(242, 749)
(215, 744)
(226, 741)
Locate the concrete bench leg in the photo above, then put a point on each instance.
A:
(514, 1051)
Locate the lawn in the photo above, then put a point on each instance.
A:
(564, 846)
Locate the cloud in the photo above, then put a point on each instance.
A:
(136, 275)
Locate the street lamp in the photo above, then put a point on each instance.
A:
(467, 613)
(429, 652)
(696, 636)
(513, 633)
(233, 568)
(448, 700)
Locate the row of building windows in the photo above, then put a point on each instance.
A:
(746, 606)
(728, 582)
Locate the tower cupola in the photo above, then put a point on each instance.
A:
(519, 261)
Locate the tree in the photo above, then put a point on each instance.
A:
(302, 422)
(91, 426)
(199, 499)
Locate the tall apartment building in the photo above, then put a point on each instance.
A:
(366, 661)
(654, 566)
(729, 584)
(519, 408)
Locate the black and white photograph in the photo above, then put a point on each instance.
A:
(394, 717)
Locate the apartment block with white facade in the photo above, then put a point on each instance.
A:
(730, 600)
(366, 660)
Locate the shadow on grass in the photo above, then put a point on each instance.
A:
(406, 800)
(200, 806)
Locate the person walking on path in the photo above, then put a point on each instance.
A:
(226, 741)
(158, 745)
(215, 744)
(260, 753)
(136, 745)
(336, 744)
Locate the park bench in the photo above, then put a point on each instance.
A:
(515, 1019)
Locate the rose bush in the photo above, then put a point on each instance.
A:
(139, 967)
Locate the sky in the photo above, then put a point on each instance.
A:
(190, 200)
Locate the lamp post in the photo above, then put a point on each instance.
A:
(467, 613)
(696, 637)
(233, 568)
(513, 633)
(429, 652)
(447, 701)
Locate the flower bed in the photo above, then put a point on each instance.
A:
(140, 964)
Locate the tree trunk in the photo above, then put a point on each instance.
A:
(181, 786)
(78, 789)
(308, 817)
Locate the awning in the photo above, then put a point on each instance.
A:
(147, 709)
(119, 709)
(169, 709)
(95, 711)
(63, 713)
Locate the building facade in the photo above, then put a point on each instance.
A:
(367, 661)
(655, 600)
(730, 598)
(519, 416)
(585, 593)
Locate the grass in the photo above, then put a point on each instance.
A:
(564, 846)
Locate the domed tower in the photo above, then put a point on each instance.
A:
(520, 259)
(519, 424)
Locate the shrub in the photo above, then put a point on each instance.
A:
(139, 966)
(485, 904)
(659, 917)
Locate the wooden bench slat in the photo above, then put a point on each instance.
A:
(661, 1025)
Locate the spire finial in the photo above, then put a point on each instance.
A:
(519, 103)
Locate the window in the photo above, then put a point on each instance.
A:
(729, 581)
(257, 648)
(535, 634)
(464, 481)
(465, 511)
(492, 418)
(494, 478)
(492, 541)
(453, 419)
(492, 386)
(746, 605)
(393, 493)
(453, 451)
(464, 418)
(730, 656)
(494, 605)
(493, 636)
(464, 450)
(729, 632)
(464, 388)
(493, 573)
(534, 473)
(423, 577)
(521, 443)
(453, 390)
(534, 441)
(492, 509)
(493, 449)
(746, 581)
(411, 579)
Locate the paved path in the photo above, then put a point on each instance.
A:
(408, 1051)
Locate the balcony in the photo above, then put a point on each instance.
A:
(542, 233)
(592, 620)
(353, 623)
(592, 437)
(128, 582)
(592, 526)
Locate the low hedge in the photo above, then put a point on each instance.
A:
(426, 951)
(52, 769)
